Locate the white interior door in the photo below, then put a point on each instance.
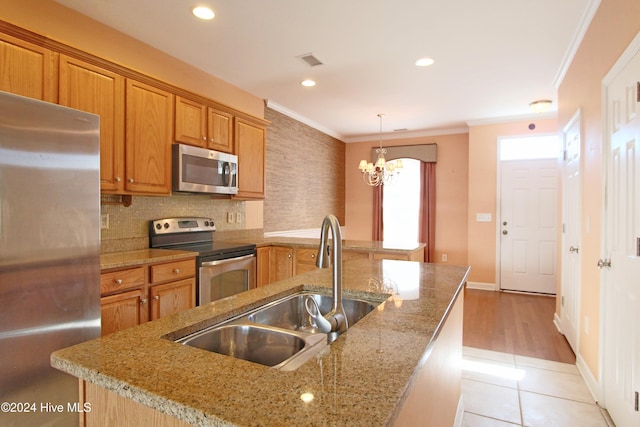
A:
(621, 282)
(571, 233)
(528, 215)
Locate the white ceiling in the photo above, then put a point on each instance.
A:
(493, 57)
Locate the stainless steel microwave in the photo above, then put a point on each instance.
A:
(198, 170)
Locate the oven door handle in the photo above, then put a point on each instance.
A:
(225, 261)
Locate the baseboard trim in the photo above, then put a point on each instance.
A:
(556, 321)
(592, 384)
(482, 286)
(459, 412)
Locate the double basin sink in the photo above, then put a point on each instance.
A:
(280, 334)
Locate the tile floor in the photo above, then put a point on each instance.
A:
(506, 390)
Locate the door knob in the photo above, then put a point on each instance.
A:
(505, 232)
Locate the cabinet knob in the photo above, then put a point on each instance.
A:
(157, 297)
(176, 270)
(118, 281)
(289, 256)
(130, 179)
(118, 179)
(313, 255)
(143, 300)
(212, 140)
(204, 138)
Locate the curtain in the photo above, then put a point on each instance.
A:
(377, 230)
(427, 219)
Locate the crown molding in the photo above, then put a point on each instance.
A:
(585, 21)
(302, 119)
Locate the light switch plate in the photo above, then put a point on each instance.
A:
(483, 217)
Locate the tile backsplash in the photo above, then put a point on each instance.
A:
(129, 226)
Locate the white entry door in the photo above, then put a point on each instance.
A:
(528, 215)
(621, 283)
(571, 233)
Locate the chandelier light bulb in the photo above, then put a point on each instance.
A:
(382, 172)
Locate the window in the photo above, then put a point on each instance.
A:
(531, 147)
(401, 204)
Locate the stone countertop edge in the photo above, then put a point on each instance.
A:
(347, 244)
(371, 367)
(142, 256)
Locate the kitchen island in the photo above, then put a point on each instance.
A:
(400, 365)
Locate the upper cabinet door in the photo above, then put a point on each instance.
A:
(220, 130)
(250, 148)
(95, 90)
(27, 69)
(149, 131)
(191, 119)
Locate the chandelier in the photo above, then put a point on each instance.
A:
(381, 172)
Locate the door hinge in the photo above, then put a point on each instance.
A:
(638, 92)
(636, 403)
(562, 300)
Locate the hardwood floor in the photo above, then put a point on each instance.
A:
(521, 324)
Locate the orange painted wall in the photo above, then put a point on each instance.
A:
(483, 165)
(451, 193)
(57, 22)
(613, 27)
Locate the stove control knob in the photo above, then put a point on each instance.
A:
(206, 223)
(166, 225)
(158, 226)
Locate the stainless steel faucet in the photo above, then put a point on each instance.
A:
(334, 322)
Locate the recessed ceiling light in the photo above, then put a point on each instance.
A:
(424, 62)
(203, 12)
(308, 83)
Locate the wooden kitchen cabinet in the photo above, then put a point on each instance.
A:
(27, 69)
(123, 310)
(305, 260)
(89, 88)
(172, 298)
(134, 295)
(148, 136)
(173, 288)
(203, 126)
(250, 147)
(281, 263)
(263, 263)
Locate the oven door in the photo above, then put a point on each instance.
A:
(222, 278)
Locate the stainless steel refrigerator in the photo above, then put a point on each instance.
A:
(49, 254)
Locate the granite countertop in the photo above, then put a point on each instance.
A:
(141, 256)
(361, 379)
(354, 245)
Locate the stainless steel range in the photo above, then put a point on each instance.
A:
(224, 268)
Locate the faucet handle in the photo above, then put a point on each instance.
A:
(323, 324)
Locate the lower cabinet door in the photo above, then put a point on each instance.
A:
(123, 310)
(172, 297)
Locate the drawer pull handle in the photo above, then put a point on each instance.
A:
(118, 281)
(176, 270)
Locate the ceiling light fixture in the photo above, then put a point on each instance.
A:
(382, 172)
(541, 105)
(203, 12)
(308, 83)
(424, 62)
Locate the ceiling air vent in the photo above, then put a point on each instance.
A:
(309, 59)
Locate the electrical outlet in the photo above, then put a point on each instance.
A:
(104, 221)
(230, 217)
(444, 257)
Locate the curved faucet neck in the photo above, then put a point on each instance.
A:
(330, 222)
